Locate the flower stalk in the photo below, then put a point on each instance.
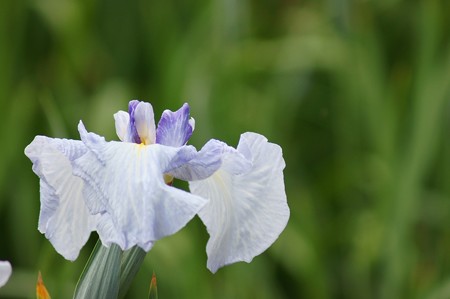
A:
(101, 275)
(109, 272)
(131, 262)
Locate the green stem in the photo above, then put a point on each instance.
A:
(131, 262)
(100, 277)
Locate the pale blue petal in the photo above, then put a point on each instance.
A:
(64, 217)
(124, 183)
(144, 120)
(122, 122)
(175, 128)
(234, 162)
(246, 211)
(93, 142)
(132, 131)
(185, 154)
(203, 164)
(5, 272)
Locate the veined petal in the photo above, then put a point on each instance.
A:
(175, 128)
(92, 141)
(64, 217)
(122, 121)
(246, 211)
(132, 132)
(124, 183)
(5, 272)
(203, 164)
(145, 122)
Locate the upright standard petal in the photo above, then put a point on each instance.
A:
(144, 120)
(132, 131)
(64, 217)
(124, 183)
(5, 272)
(122, 122)
(175, 128)
(247, 210)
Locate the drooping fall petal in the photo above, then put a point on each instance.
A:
(247, 210)
(203, 164)
(64, 217)
(124, 184)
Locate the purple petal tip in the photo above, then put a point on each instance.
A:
(132, 127)
(174, 128)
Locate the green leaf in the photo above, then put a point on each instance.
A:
(100, 277)
(131, 262)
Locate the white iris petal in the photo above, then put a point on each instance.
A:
(124, 183)
(145, 123)
(64, 217)
(203, 164)
(246, 211)
(122, 121)
(191, 122)
(5, 272)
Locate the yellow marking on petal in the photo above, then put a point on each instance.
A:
(146, 141)
(140, 147)
(168, 179)
(41, 290)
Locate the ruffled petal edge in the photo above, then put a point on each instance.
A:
(248, 210)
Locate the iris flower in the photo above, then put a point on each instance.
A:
(5, 272)
(123, 190)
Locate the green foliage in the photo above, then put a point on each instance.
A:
(355, 92)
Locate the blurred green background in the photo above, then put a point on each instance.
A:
(357, 93)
